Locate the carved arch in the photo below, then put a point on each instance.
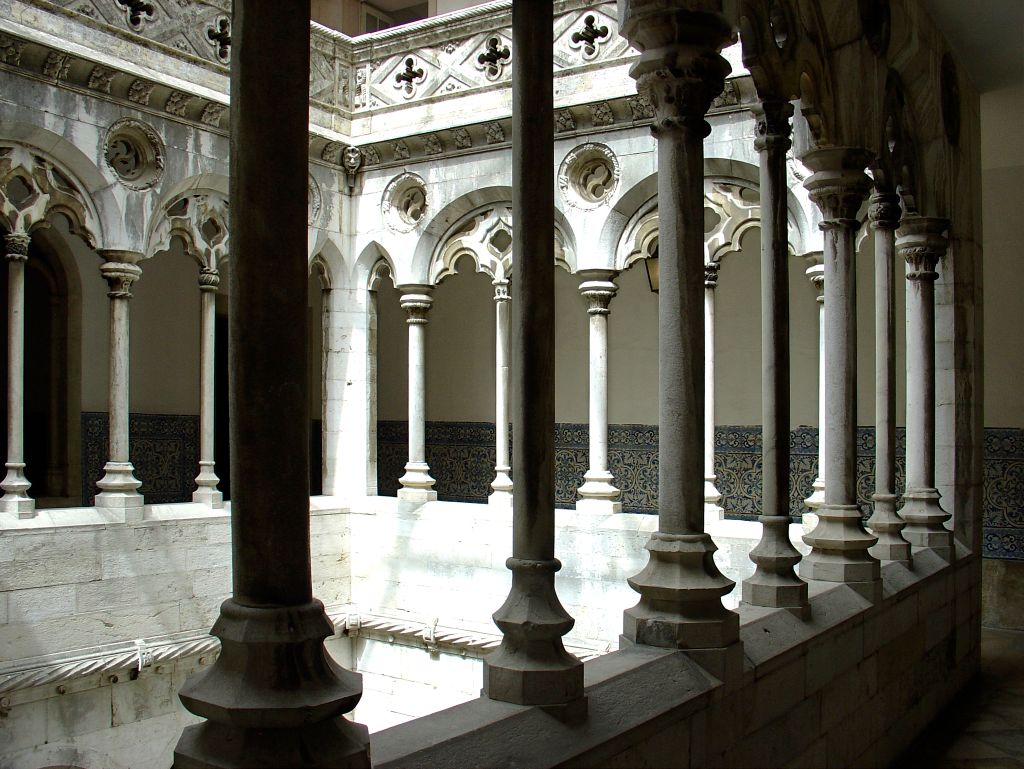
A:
(34, 187)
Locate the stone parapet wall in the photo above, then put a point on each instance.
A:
(101, 623)
(850, 687)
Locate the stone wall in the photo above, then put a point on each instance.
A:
(850, 687)
(101, 623)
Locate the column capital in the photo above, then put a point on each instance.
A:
(711, 270)
(680, 69)
(884, 210)
(416, 301)
(209, 279)
(500, 289)
(16, 245)
(838, 184)
(815, 270)
(120, 276)
(599, 294)
(773, 125)
(922, 241)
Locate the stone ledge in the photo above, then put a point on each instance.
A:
(623, 713)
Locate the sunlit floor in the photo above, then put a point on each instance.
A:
(984, 726)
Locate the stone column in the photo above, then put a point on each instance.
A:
(15, 484)
(815, 272)
(207, 480)
(598, 494)
(839, 543)
(274, 698)
(118, 486)
(680, 70)
(502, 483)
(531, 666)
(417, 483)
(774, 583)
(885, 523)
(922, 242)
(712, 510)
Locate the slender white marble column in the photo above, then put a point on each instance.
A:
(681, 70)
(15, 484)
(774, 583)
(885, 523)
(207, 480)
(598, 494)
(839, 543)
(922, 242)
(815, 272)
(417, 483)
(502, 483)
(712, 510)
(119, 486)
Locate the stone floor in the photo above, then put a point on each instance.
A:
(984, 726)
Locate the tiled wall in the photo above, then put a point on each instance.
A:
(164, 450)
(461, 459)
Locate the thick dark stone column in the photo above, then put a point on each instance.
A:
(273, 698)
(532, 667)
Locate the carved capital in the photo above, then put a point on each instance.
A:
(16, 245)
(838, 184)
(922, 241)
(500, 290)
(599, 294)
(680, 69)
(120, 276)
(681, 96)
(209, 279)
(711, 274)
(417, 303)
(884, 210)
(773, 125)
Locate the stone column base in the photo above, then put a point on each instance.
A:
(16, 498)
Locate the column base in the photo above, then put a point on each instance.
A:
(502, 485)
(839, 551)
(817, 498)
(885, 524)
(16, 498)
(713, 512)
(597, 494)
(118, 487)
(532, 667)
(926, 522)
(681, 593)
(599, 506)
(210, 497)
(208, 493)
(274, 698)
(774, 583)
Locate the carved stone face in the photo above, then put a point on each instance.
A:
(352, 159)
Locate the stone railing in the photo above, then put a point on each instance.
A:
(441, 59)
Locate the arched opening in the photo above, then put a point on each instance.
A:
(317, 304)
(49, 454)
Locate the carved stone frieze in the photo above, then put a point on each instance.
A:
(101, 79)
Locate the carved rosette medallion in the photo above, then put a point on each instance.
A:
(404, 203)
(588, 176)
(134, 153)
(314, 201)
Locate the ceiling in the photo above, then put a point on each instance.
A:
(987, 37)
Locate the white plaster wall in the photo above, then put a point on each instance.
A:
(1002, 164)
(632, 348)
